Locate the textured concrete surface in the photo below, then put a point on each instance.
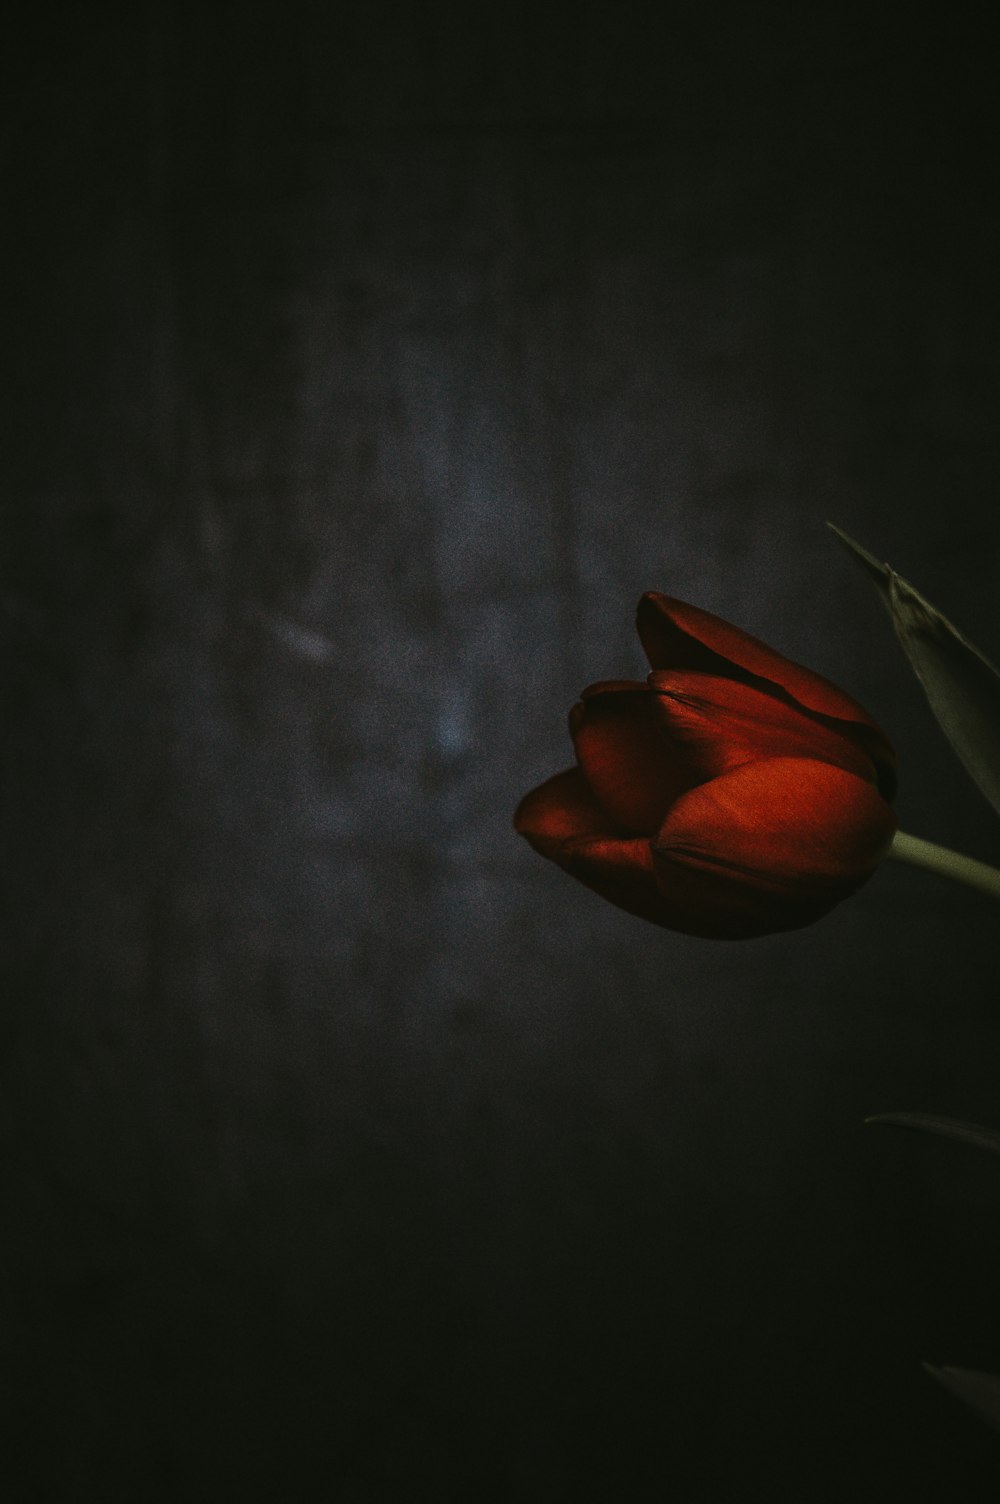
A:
(364, 365)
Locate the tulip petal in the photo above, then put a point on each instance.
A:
(625, 762)
(561, 810)
(676, 635)
(770, 846)
(719, 723)
(563, 821)
(613, 686)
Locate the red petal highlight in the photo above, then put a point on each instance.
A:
(626, 764)
(561, 810)
(770, 846)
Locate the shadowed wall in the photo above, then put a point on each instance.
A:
(365, 364)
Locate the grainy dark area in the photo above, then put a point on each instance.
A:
(363, 364)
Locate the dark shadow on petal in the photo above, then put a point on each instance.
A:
(677, 635)
(632, 771)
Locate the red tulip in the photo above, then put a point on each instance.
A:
(733, 794)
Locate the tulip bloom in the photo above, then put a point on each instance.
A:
(733, 794)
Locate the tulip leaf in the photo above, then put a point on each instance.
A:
(980, 1391)
(925, 1122)
(962, 686)
(877, 572)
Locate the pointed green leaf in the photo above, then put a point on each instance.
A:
(878, 573)
(962, 686)
(980, 1391)
(925, 1122)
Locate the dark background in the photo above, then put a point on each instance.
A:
(364, 363)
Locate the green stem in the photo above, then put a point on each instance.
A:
(963, 869)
